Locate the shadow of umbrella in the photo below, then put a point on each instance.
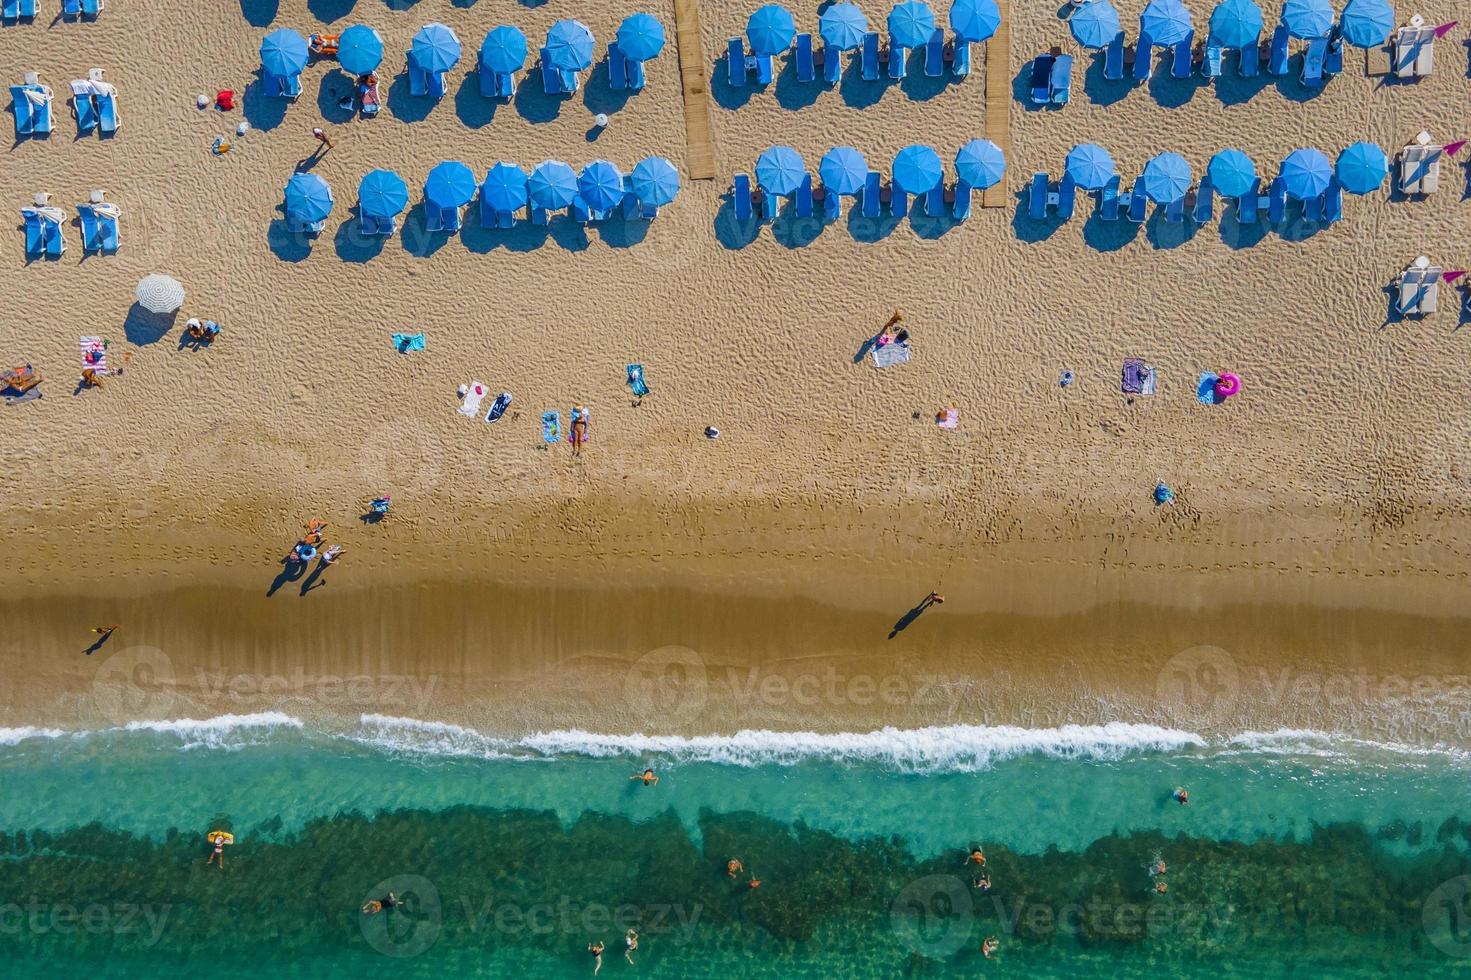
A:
(156, 304)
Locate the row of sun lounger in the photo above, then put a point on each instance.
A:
(14, 10)
(876, 196)
(875, 59)
(1045, 195)
(1322, 57)
(94, 101)
(452, 219)
(42, 224)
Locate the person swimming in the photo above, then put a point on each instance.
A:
(596, 949)
(734, 867)
(983, 882)
(647, 776)
(376, 905)
(1180, 796)
(977, 856)
(630, 942)
(989, 946)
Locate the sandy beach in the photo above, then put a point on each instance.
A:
(1320, 520)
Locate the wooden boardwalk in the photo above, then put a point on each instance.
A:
(692, 71)
(998, 103)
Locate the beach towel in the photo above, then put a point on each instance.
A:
(1205, 391)
(470, 407)
(636, 380)
(94, 354)
(1138, 377)
(498, 407)
(405, 342)
(949, 419)
(551, 427)
(890, 354)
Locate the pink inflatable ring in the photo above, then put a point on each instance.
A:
(1227, 385)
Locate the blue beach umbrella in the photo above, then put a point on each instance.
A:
(654, 181)
(1166, 178)
(1090, 166)
(911, 24)
(843, 170)
(779, 170)
(308, 198)
(552, 186)
(1366, 23)
(505, 187)
(641, 37)
(435, 48)
(980, 163)
(359, 50)
(601, 185)
(1231, 173)
(975, 20)
(1307, 19)
(382, 194)
(569, 46)
(1362, 168)
(842, 26)
(450, 184)
(917, 169)
(770, 30)
(283, 53)
(1095, 25)
(1306, 173)
(1167, 22)
(1236, 23)
(503, 51)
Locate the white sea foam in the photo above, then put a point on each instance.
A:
(219, 732)
(14, 736)
(1308, 742)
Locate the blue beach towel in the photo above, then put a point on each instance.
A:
(551, 427)
(499, 406)
(636, 380)
(1206, 390)
(405, 342)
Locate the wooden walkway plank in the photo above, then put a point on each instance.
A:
(692, 70)
(998, 103)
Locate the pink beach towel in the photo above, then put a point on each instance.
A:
(950, 419)
(94, 354)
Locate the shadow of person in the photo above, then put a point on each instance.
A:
(314, 580)
(101, 640)
(291, 570)
(915, 613)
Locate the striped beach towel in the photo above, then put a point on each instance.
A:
(94, 354)
(891, 354)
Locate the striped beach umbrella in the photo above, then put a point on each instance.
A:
(158, 293)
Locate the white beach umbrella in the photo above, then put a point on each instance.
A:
(160, 294)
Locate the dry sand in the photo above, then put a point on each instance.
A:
(1320, 524)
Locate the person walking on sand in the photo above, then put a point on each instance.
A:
(106, 631)
(596, 949)
(323, 139)
(647, 776)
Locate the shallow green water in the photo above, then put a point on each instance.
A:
(1296, 857)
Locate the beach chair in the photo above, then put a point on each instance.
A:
(934, 201)
(832, 64)
(871, 56)
(368, 96)
(51, 234)
(91, 230)
(1277, 201)
(832, 204)
(1333, 203)
(91, 8)
(1419, 288)
(71, 9)
(806, 64)
(487, 81)
(934, 55)
(1184, 56)
(1312, 209)
(539, 216)
(1278, 52)
(1108, 200)
(636, 77)
(1250, 60)
(1205, 203)
(1138, 204)
(1214, 55)
(1312, 61)
(740, 196)
(770, 205)
(1246, 204)
(735, 58)
(1067, 198)
(1414, 49)
(804, 197)
(898, 59)
(376, 226)
(10, 10)
(1333, 64)
(1144, 59)
(107, 117)
(28, 9)
(551, 78)
(960, 58)
(960, 209)
(35, 231)
(617, 68)
(1419, 166)
(1037, 197)
(765, 66)
(25, 111)
(1113, 59)
(898, 201)
(632, 210)
(872, 194)
(1061, 81)
(1175, 211)
(1040, 85)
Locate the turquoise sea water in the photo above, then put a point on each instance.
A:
(1299, 854)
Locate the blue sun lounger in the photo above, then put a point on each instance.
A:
(770, 205)
(489, 83)
(25, 112)
(898, 59)
(617, 68)
(442, 219)
(1138, 204)
(1113, 59)
(283, 87)
(806, 64)
(91, 231)
(1277, 61)
(1067, 198)
(1061, 81)
(832, 204)
(1037, 197)
(1277, 201)
(1312, 208)
(740, 196)
(35, 231)
(298, 227)
(1250, 60)
(1247, 204)
(10, 10)
(71, 8)
(1175, 211)
(1108, 200)
(765, 68)
(872, 194)
(735, 62)
(1205, 203)
(1214, 56)
(804, 197)
(961, 209)
(1333, 65)
(934, 55)
(107, 229)
(636, 77)
(832, 64)
(1041, 80)
(579, 211)
(871, 56)
(1312, 61)
(377, 226)
(934, 202)
(898, 201)
(1333, 202)
(91, 8)
(107, 121)
(960, 59)
(1144, 59)
(1184, 56)
(28, 9)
